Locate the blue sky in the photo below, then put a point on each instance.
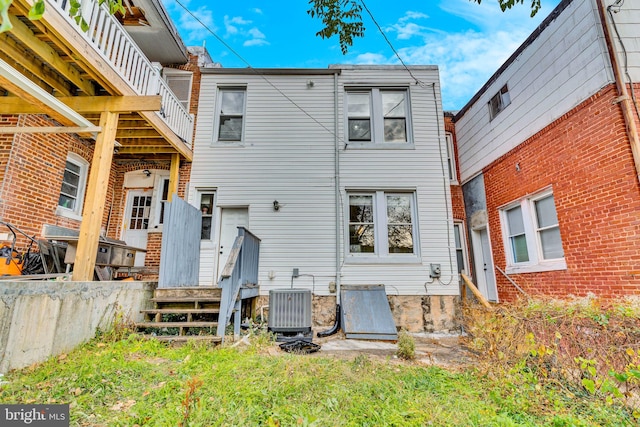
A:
(467, 41)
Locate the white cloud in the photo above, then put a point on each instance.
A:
(231, 24)
(257, 11)
(191, 29)
(257, 38)
(371, 59)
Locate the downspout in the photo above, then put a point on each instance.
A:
(623, 98)
(336, 158)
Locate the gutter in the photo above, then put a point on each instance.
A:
(623, 99)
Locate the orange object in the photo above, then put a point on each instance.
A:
(14, 268)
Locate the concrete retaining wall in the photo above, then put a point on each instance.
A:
(43, 319)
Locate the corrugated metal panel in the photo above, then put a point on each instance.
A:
(180, 256)
(366, 313)
(290, 310)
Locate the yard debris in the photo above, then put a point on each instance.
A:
(300, 347)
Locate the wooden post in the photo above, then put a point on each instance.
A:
(476, 292)
(174, 175)
(93, 210)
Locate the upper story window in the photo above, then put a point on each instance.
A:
(382, 224)
(451, 158)
(230, 113)
(378, 116)
(499, 101)
(179, 81)
(532, 235)
(72, 191)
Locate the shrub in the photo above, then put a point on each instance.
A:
(406, 346)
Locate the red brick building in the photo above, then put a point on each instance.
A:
(546, 153)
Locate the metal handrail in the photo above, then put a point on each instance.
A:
(114, 44)
(240, 270)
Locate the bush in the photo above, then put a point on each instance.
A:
(406, 346)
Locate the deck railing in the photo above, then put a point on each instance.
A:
(241, 270)
(115, 46)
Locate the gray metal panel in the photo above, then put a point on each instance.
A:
(180, 256)
(366, 313)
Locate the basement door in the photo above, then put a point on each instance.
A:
(136, 222)
(230, 220)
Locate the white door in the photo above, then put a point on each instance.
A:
(484, 266)
(136, 221)
(230, 220)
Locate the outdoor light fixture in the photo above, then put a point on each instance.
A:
(147, 172)
(276, 205)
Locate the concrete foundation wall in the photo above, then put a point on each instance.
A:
(415, 313)
(43, 319)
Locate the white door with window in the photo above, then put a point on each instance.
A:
(484, 265)
(136, 221)
(230, 220)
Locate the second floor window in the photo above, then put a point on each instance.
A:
(499, 101)
(378, 116)
(231, 109)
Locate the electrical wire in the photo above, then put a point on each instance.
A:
(395, 52)
(257, 73)
(610, 9)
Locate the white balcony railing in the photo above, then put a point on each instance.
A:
(114, 45)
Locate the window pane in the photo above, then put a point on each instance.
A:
(73, 168)
(361, 209)
(69, 190)
(358, 104)
(359, 130)
(395, 130)
(230, 128)
(546, 212)
(399, 209)
(66, 202)
(519, 248)
(400, 239)
(206, 228)
(71, 178)
(232, 102)
(361, 239)
(460, 259)
(551, 243)
(456, 236)
(515, 222)
(393, 104)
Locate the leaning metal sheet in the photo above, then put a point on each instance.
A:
(366, 313)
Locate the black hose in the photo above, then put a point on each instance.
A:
(335, 328)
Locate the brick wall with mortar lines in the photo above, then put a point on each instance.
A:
(33, 172)
(586, 158)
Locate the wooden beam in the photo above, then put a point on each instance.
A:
(10, 49)
(48, 129)
(137, 134)
(49, 55)
(95, 200)
(150, 149)
(86, 104)
(476, 292)
(174, 175)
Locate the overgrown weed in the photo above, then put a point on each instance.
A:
(582, 346)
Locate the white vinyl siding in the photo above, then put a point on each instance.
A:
(563, 66)
(288, 156)
(74, 182)
(532, 235)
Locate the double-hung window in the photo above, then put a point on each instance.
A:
(532, 235)
(74, 182)
(230, 113)
(378, 116)
(382, 224)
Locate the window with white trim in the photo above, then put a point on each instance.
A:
(179, 81)
(461, 247)
(73, 186)
(378, 116)
(499, 101)
(451, 158)
(230, 113)
(382, 224)
(163, 192)
(207, 204)
(532, 234)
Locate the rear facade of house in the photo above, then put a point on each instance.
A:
(341, 172)
(546, 158)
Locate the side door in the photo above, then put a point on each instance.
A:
(136, 221)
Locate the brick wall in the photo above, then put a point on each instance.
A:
(585, 156)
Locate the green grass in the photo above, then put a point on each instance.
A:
(138, 382)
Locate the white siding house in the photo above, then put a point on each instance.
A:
(341, 173)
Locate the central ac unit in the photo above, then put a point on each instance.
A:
(290, 314)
